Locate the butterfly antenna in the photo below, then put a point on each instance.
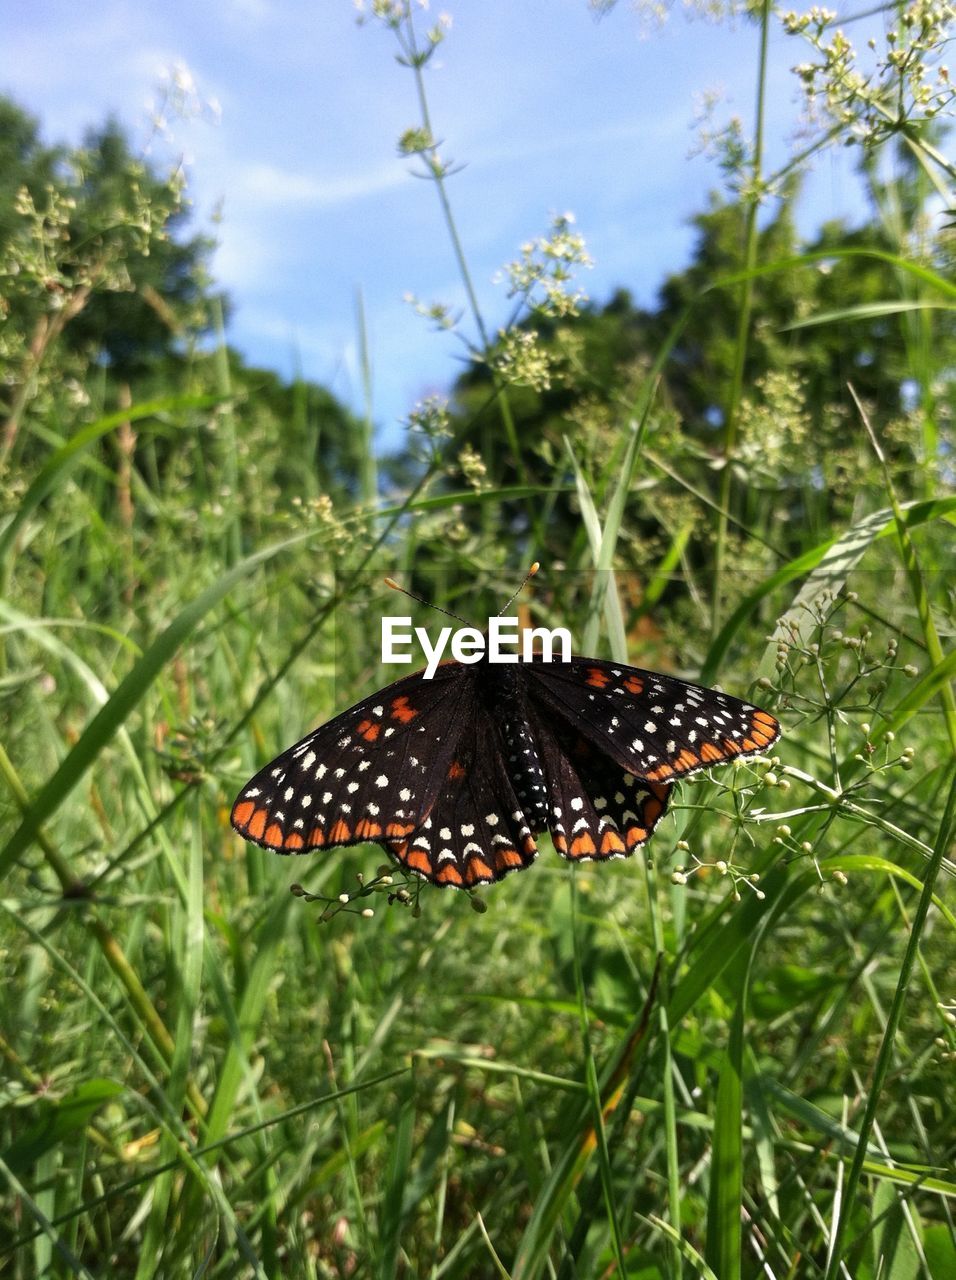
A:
(527, 578)
(390, 582)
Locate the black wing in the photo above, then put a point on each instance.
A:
(371, 773)
(477, 831)
(654, 726)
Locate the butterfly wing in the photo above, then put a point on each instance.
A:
(477, 831)
(372, 773)
(597, 810)
(654, 726)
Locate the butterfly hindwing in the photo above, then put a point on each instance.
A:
(477, 831)
(597, 810)
(371, 773)
(654, 726)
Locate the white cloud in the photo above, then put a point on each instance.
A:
(246, 256)
(268, 185)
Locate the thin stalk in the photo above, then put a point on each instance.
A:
(416, 60)
(367, 468)
(913, 572)
(594, 1088)
(69, 883)
(670, 1104)
(884, 1058)
(112, 951)
(751, 239)
(231, 453)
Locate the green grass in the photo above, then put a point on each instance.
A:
(199, 1072)
(732, 1057)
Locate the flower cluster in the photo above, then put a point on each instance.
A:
(473, 468)
(439, 314)
(397, 16)
(725, 868)
(521, 360)
(905, 89)
(773, 429)
(543, 274)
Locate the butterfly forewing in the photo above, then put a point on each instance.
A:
(372, 773)
(654, 726)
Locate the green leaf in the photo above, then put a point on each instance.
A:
(394, 1209)
(836, 556)
(58, 1120)
(867, 311)
(725, 1201)
(894, 1254)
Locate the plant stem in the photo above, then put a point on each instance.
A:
(886, 1047)
(751, 240)
(913, 572)
(437, 172)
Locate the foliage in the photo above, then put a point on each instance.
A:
(732, 1057)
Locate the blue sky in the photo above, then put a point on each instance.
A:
(548, 109)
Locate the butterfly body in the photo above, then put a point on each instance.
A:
(456, 775)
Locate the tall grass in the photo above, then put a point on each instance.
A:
(732, 1057)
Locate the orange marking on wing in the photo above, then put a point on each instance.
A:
(762, 739)
(273, 836)
(612, 843)
(560, 843)
(766, 720)
(402, 711)
(339, 833)
(709, 752)
(687, 759)
(634, 684)
(242, 813)
(294, 840)
(316, 837)
(635, 835)
(731, 747)
(368, 730)
(750, 745)
(399, 828)
(448, 874)
(419, 861)
(508, 857)
(529, 845)
(257, 824)
(456, 771)
(368, 830)
(597, 678)
(662, 771)
(651, 811)
(478, 869)
(582, 844)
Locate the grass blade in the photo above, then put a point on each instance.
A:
(59, 463)
(131, 689)
(944, 836)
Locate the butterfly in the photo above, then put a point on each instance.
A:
(456, 775)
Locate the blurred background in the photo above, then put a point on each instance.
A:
(286, 119)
